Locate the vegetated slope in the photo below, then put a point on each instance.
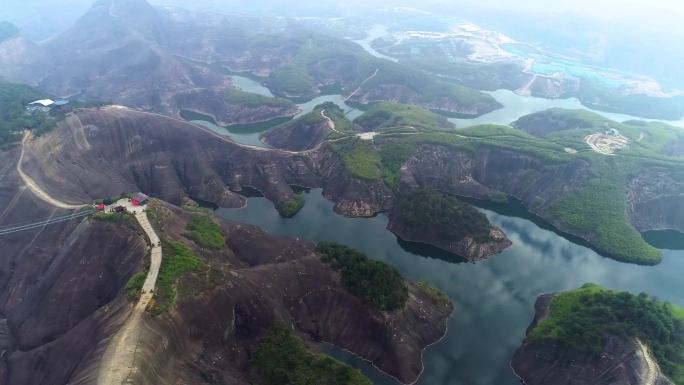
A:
(598, 335)
(436, 56)
(386, 115)
(298, 63)
(603, 199)
(310, 130)
(422, 215)
(557, 119)
(13, 117)
(244, 290)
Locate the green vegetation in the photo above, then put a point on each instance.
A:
(14, 118)
(436, 294)
(392, 157)
(376, 283)
(117, 218)
(359, 157)
(337, 115)
(282, 359)
(386, 115)
(7, 30)
(599, 209)
(319, 59)
(134, 286)
(178, 260)
(197, 209)
(206, 233)
(433, 212)
(290, 207)
(583, 318)
(557, 119)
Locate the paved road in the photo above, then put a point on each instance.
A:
(33, 186)
(118, 362)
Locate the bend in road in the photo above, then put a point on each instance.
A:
(33, 186)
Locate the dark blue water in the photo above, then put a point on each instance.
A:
(493, 299)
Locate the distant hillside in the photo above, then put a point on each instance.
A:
(132, 53)
(556, 119)
(392, 115)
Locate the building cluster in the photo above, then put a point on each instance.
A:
(47, 105)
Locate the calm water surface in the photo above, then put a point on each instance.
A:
(493, 299)
(253, 138)
(516, 106)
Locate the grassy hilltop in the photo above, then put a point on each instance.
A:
(581, 320)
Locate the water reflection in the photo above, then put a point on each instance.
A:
(493, 299)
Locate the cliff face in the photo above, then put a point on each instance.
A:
(303, 134)
(98, 153)
(467, 247)
(211, 334)
(655, 199)
(353, 197)
(492, 172)
(621, 362)
(61, 287)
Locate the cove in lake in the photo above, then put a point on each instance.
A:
(251, 133)
(494, 299)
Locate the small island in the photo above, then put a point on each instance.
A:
(594, 335)
(441, 220)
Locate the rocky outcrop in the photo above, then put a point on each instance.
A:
(494, 173)
(212, 333)
(655, 199)
(99, 153)
(302, 134)
(467, 247)
(622, 361)
(61, 287)
(353, 197)
(214, 104)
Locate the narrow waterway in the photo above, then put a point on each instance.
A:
(493, 299)
(516, 106)
(253, 136)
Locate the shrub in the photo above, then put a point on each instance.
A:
(376, 283)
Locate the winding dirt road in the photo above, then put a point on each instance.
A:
(33, 186)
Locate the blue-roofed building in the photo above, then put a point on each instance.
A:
(61, 102)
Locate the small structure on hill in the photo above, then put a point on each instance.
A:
(139, 199)
(40, 105)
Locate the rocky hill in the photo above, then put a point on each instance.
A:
(52, 333)
(622, 354)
